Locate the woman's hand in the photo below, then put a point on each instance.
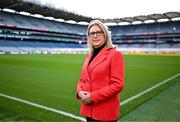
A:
(87, 99)
(81, 94)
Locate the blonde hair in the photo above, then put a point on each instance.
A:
(106, 33)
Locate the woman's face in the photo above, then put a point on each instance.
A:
(96, 36)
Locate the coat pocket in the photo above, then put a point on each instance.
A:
(86, 86)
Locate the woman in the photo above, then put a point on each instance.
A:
(102, 77)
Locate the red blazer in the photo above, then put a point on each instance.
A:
(104, 79)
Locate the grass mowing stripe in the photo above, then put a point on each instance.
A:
(163, 107)
(44, 107)
(81, 118)
(149, 89)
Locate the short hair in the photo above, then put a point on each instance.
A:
(105, 31)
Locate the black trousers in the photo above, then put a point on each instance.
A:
(92, 120)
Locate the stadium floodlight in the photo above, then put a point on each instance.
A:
(24, 13)
(38, 16)
(110, 23)
(175, 19)
(123, 23)
(59, 20)
(9, 10)
(71, 21)
(49, 18)
(136, 22)
(162, 20)
(149, 21)
(83, 23)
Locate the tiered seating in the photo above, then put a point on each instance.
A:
(26, 46)
(166, 27)
(22, 21)
(40, 34)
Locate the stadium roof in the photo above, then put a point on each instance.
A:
(34, 7)
(142, 18)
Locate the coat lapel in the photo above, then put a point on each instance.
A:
(98, 59)
(85, 67)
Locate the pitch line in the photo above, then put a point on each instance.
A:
(78, 117)
(44, 107)
(148, 90)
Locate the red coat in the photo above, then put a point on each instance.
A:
(104, 79)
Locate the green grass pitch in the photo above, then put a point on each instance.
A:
(50, 80)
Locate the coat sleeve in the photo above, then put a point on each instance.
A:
(79, 87)
(116, 77)
(80, 81)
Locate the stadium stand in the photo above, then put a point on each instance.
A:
(27, 34)
(160, 35)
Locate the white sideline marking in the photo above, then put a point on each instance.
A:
(149, 89)
(44, 107)
(81, 118)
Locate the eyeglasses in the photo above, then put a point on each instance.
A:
(97, 33)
